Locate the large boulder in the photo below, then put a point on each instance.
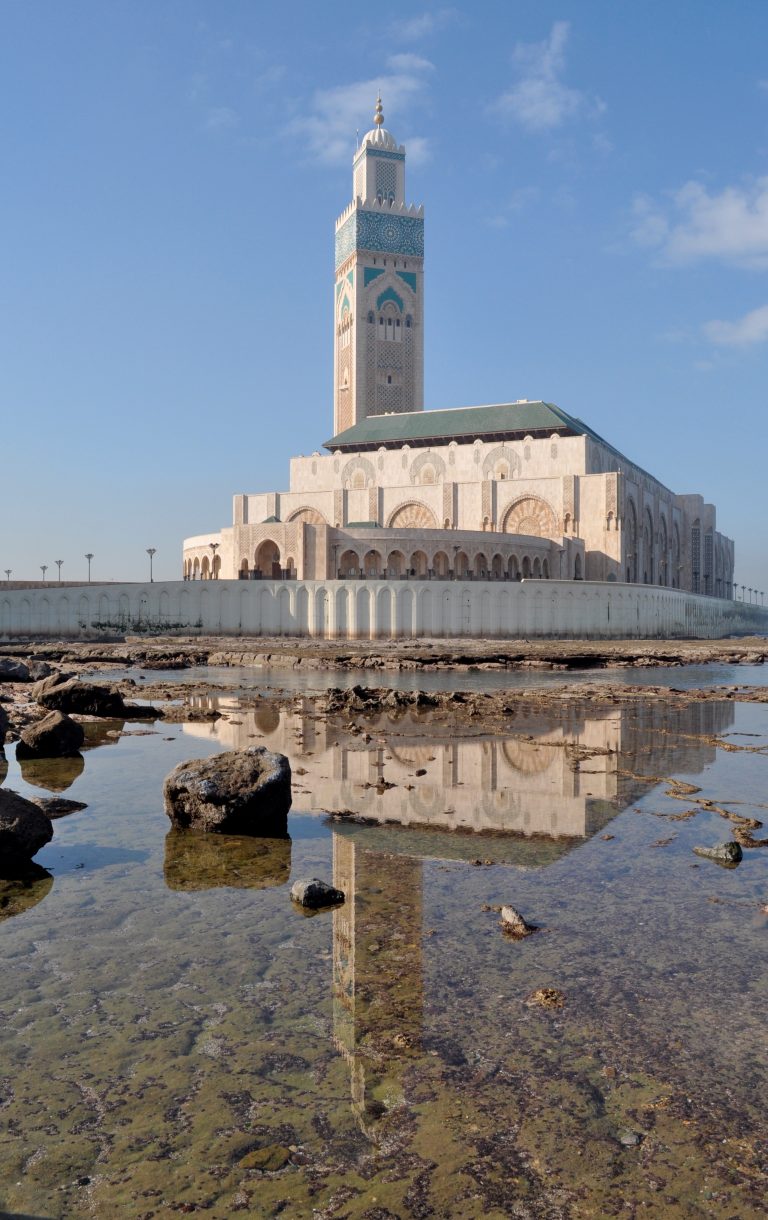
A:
(57, 678)
(3, 725)
(83, 698)
(88, 699)
(55, 736)
(12, 670)
(24, 829)
(242, 792)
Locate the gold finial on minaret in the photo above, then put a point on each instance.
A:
(378, 116)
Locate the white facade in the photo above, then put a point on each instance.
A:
(374, 609)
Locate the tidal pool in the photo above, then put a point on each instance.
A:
(175, 1037)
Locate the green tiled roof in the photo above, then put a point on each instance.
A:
(467, 423)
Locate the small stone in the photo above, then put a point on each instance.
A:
(514, 925)
(314, 893)
(546, 997)
(630, 1139)
(723, 853)
(57, 806)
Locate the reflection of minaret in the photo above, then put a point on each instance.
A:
(377, 972)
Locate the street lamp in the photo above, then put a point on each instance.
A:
(151, 551)
(8, 574)
(743, 590)
(58, 563)
(214, 547)
(89, 557)
(43, 569)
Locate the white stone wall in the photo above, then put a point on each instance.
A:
(369, 609)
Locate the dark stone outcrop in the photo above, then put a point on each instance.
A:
(314, 893)
(12, 670)
(55, 678)
(24, 829)
(243, 792)
(196, 861)
(3, 725)
(88, 699)
(55, 736)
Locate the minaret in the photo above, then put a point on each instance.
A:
(378, 338)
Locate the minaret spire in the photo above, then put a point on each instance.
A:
(378, 114)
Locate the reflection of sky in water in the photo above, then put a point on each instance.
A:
(186, 1040)
(683, 677)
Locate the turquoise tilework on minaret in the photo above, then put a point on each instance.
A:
(380, 231)
(370, 274)
(409, 277)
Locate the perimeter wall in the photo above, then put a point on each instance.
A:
(370, 609)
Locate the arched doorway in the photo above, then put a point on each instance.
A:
(267, 560)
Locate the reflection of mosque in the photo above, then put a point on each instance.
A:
(530, 784)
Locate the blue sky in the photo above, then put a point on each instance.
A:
(595, 178)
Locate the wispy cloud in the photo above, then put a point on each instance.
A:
(693, 225)
(517, 202)
(328, 131)
(539, 100)
(219, 118)
(744, 332)
(411, 29)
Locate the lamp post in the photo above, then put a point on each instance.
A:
(8, 574)
(151, 551)
(743, 590)
(89, 557)
(214, 547)
(58, 563)
(43, 569)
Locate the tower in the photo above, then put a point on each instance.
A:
(379, 299)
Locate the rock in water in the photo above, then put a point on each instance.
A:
(88, 699)
(315, 893)
(12, 670)
(24, 829)
(83, 698)
(242, 792)
(3, 725)
(52, 679)
(514, 925)
(58, 806)
(724, 853)
(55, 736)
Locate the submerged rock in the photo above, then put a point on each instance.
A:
(546, 997)
(24, 829)
(514, 925)
(55, 736)
(314, 893)
(57, 806)
(195, 861)
(245, 792)
(723, 853)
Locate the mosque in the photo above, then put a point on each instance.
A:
(503, 492)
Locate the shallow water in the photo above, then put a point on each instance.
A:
(176, 1037)
(298, 681)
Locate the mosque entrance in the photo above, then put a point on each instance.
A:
(267, 560)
